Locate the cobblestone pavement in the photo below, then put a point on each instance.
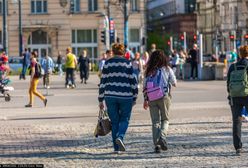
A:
(61, 135)
(192, 143)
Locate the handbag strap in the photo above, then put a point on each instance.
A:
(101, 113)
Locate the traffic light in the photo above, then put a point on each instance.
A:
(168, 42)
(182, 37)
(195, 37)
(231, 37)
(103, 36)
(72, 6)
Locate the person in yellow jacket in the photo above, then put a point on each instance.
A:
(70, 66)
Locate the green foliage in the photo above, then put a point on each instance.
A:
(161, 41)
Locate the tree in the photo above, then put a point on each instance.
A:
(161, 41)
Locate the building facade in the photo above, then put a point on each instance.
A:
(208, 23)
(52, 26)
(234, 23)
(173, 17)
(223, 24)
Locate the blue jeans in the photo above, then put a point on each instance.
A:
(60, 69)
(24, 69)
(119, 111)
(136, 73)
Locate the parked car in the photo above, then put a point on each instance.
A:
(15, 63)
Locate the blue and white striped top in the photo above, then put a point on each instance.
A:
(118, 80)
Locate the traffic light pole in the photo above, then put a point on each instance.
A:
(5, 46)
(185, 42)
(171, 43)
(125, 23)
(107, 32)
(200, 65)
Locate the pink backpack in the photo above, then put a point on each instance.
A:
(155, 86)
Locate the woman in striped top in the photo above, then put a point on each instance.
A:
(118, 88)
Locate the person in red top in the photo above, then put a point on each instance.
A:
(4, 57)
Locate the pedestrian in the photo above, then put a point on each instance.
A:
(193, 53)
(129, 55)
(84, 66)
(182, 60)
(47, 66)
(153, 48)
(145, 59)
(34, 80)
(101, 63)
(137, 65)
(59, 63)
(158, 76)
(70, 65)
(175, 61)
(109, 54)
(237, 84)
(119, 93)
(25, 64)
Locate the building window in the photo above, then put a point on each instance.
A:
(134, 5)
(134, 35)
(75, 6)
(85, 39)
(190, 6)
(38, 6)
(39, 37)
(92, 5)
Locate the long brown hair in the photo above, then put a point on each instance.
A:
(156, 61)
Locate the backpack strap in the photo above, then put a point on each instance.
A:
(235, 66)
(159, 76)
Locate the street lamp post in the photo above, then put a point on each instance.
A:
(20, 28)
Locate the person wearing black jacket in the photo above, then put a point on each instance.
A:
(194, 62)
(84, 66)
(237, 103)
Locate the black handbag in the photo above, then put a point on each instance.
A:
(103, 126)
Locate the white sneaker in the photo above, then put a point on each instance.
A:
(48, 87)
(73, 86)
(67, 86)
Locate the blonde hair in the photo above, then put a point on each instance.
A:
(118, 49)
(68, 49)
(243, 51)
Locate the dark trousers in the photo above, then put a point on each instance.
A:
(46, 79)
(236, 107)
(84, 74)
(194, 68)
(69, 76)
(24, 70)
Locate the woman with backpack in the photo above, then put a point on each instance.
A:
(35, 73)
(158, 79)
